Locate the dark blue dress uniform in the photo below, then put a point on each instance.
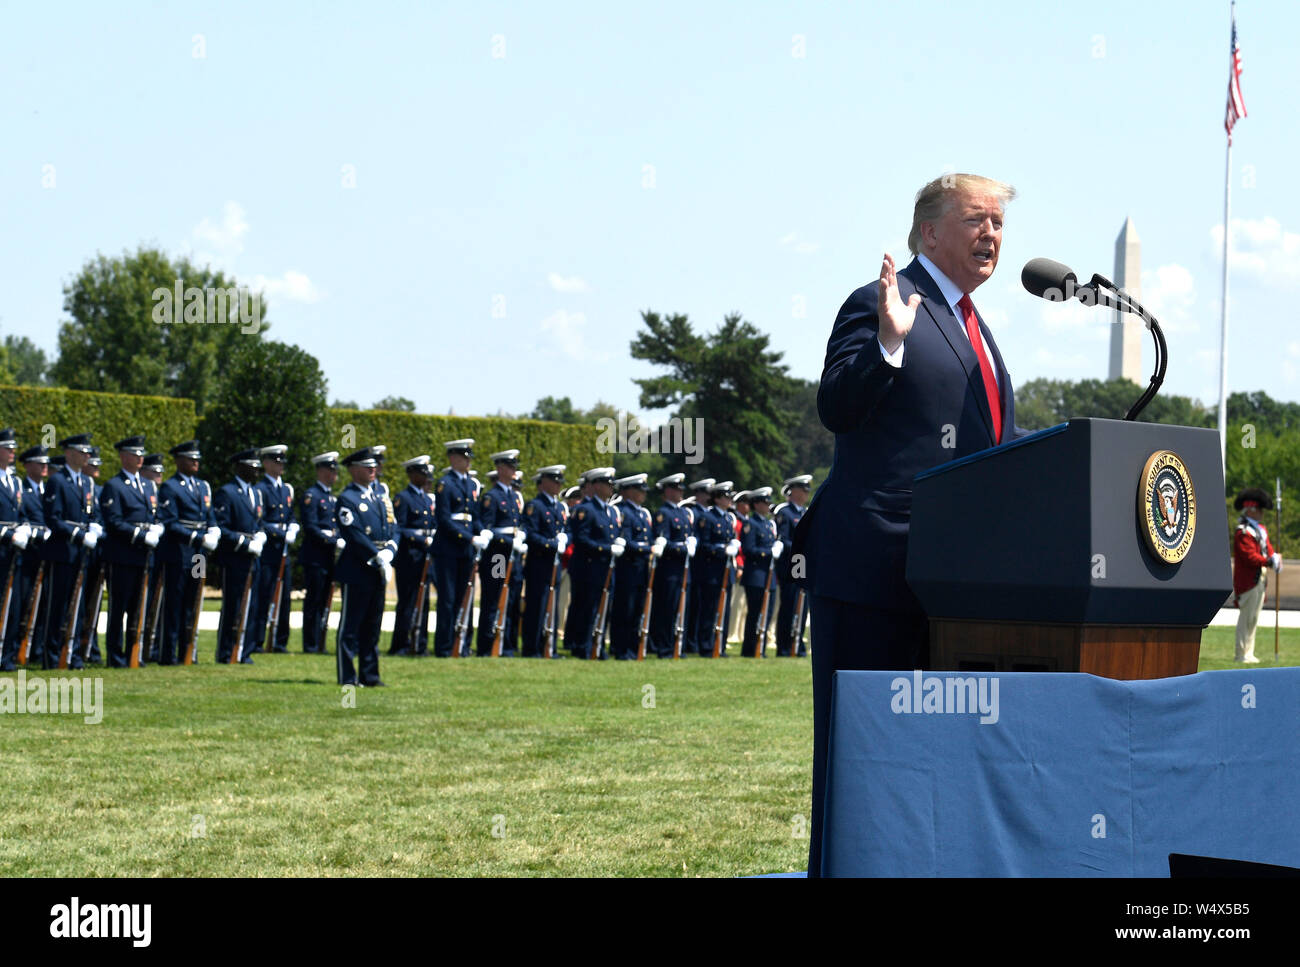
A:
(632, 574)
(414, 516)
(12, 518)
(238, 510)
(714, 529)
(277, 499)
(673, 524)
(595, 526)
(32, 560)
(544, 519)
(362, 521)
(185, 510)
(757, 535)
(319, 545)
(456, 513)
(130, 506)
(787, 518)
(69, 512)
(499, 512)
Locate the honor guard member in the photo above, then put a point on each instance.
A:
(15, 536)
(70, 513)
(413, 509)
(30, 558)
(574, 500)
(596, 545)
(281, 532)
(740, 510)
(151, 469)
(190, 536)
(501, 525)
(365, 568)
(716, 530)
(759, 544)
(632, 572)
(321, 542)
(787, 518)
(672, 527)
(95, 567)
(1252, 552)
(454, 543)
(544, 518)
(129, 503)
(570, 498)
(238, 510)
(380, 451)
(514, 615)
(698, 501)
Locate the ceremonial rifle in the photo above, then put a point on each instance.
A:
(413, 629)
(33, 606)
(14, 565)
(70, 623)
(679, 622)
(602, 612)
(243, 617)
(89, 626)
(796, 626)
(137, 642)
(644, 630)
(192, 645)
(548, 630)
(273, 614)
(763, 612)
(463, 613)
(503, 598)
(719, 619)
(155, 614)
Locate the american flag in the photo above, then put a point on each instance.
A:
(1236, 106)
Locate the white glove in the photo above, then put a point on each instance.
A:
(732, 548)
(777, 548)
(89, 540)
(340, 543)
(518, 543)
(387, 570)
(20, 536)
(1276, 562)
(385, 557)
(256, 544)
(210, 539)
(561, 542)
(428, 541)
(46, 533)
(151, 537)
(618, 547)
(482, 540)
(657, 548)
(291, 534)
(214, 533)
(690, 545)
(98, 528)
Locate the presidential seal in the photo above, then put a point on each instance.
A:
(1167, 506)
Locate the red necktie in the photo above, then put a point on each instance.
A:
(990, 384)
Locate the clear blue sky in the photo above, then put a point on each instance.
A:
(577, 163)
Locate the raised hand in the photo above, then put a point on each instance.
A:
(896, 316)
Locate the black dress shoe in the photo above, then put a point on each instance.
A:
(280, 651)
(401, 653)
(376, 683)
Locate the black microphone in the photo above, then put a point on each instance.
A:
(1049, 279)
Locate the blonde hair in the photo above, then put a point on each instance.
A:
(936, 197)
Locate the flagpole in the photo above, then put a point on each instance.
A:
(1223, 323)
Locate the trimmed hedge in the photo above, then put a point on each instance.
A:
(408, 435)
(47, 415)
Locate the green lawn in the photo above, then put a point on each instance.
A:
(466, 767)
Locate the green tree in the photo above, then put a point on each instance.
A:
(271, 393)
(730, 381)
(811, 446)
(113, 343)
(399, 404)
(1041, 403)
(24, 363)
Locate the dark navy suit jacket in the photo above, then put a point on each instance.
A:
(890, 423)
(178, 502)
(67, 511)
(127, 512)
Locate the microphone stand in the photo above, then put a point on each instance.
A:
(1126, 303)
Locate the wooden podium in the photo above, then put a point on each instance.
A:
(1096, 546)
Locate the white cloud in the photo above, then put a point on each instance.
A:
(290, 287)
(219, 244)
(799, 245)
(1262, 249)
(570, 284)
(1169, 293)
(1074, 365)
(1074, 321)
(568, 334)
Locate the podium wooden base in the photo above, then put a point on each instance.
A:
(1110, 651)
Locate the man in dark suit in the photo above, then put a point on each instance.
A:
(237, 509)
(191, 535)
(454, 543)
(912, 379)
(365, 569)
(69, 502)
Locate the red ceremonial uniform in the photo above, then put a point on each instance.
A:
(1247, 557)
